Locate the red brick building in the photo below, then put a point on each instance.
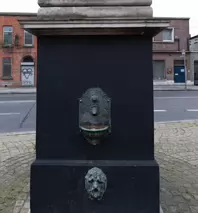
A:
(168, 63)
(18, 52)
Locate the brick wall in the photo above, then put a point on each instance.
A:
(181, 31)
(16, 53)
(169, 52)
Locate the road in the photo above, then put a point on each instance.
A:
(18, 112)
(175, 105)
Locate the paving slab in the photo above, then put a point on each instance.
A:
(176, 150)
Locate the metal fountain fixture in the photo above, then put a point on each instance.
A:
(95, 115)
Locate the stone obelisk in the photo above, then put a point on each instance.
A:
(106, 45)
(63, 9)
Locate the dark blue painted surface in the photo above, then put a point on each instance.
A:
(58, 187)
(67, 67)
(179, 74)
(91, 61)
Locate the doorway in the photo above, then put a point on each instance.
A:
(158, 70)
(179, 71)
(27, 71)
(196, 73)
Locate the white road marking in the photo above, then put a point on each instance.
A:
(192, 110)
(175, 121)
(10, 113)
(160, 110)
(18, 101)
(182, 97)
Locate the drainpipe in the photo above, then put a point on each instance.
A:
(178, 42)
(188, 44)
(185, 68)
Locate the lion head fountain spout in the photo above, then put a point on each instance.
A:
(95, 183)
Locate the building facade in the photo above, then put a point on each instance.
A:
(194, 57)
(18, 52)
(169, 64)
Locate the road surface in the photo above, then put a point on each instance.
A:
(18, 112)
(175, 105)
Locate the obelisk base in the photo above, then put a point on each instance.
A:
(115, 55)
(58, 186)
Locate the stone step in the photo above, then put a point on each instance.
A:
(64, 13)
(71, 3)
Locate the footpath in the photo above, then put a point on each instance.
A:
(27, 90)
(174, 88)
(171, 86)
(156, 87)
(176, 150)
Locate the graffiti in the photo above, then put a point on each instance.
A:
(27, 83)
(27, 76)
(27, 72)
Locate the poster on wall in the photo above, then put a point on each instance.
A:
(169, 71)
(27, 75)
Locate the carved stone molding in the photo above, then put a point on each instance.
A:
(72, 3)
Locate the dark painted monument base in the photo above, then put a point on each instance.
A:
(58, 187)
(122, 67)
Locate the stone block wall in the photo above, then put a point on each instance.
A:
(83, 9)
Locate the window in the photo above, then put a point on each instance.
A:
(196, 41)
(168, 35)
(7, 35)
(28, 39)
(28, 59)
(7, 68)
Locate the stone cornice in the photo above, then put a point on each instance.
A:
(95, 26)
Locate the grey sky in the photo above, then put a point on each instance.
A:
(173, 8)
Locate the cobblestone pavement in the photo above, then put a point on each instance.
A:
(16, 155)
(176, 148)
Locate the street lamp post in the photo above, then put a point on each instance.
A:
(185, 70)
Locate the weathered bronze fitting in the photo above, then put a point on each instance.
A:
(95, 183)
(94, 115)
